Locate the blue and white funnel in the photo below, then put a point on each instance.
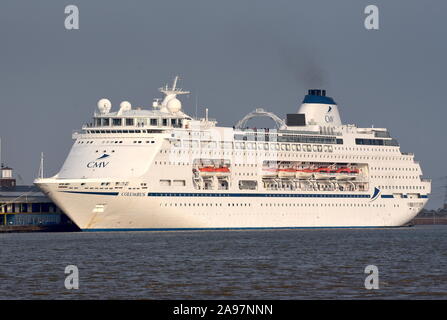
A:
(320, 109)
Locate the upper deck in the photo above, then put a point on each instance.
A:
(316, 122)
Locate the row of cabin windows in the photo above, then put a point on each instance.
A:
(272, 146)
(394, 169)
(120, 183)
(322, 205)
(347, 157)
(124, 131)
(394, 177)
(370, 149)
(403, 187)
(117, 185)
(205, 204)
(115, 141)
(139, 122)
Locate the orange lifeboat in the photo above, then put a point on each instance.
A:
(212, 171)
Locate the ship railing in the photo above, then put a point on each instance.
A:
(407, 153)
(425, 180)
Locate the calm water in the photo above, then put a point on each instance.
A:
(277, 264)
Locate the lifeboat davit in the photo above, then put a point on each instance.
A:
(286, 173)
(304, 173)
(346, 173)
(347, 170)
(344, 177)
(270, 172)
(324, 173)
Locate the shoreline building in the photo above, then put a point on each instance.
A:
(26, 208)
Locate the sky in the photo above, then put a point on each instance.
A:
(234, 56)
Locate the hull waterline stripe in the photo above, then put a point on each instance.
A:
(235, 228)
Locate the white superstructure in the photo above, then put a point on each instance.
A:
(161, 169)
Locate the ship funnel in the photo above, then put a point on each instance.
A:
(317, 92)
(320, 109)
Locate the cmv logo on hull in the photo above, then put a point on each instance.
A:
(99, 164)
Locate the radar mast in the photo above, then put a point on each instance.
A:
(171, 93)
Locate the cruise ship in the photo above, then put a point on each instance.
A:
(158, 168)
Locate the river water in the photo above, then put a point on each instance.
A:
(264, 264)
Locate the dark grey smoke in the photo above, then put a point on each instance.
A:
(296, 57)
(302, 65)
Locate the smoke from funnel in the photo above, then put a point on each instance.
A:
(302, 66)
(294, 56)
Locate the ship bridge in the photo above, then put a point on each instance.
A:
(164, 115)
(138, 118)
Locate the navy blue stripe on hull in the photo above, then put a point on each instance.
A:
(256, 195)
(94, 193)
(246, 195)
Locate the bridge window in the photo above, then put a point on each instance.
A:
(117, 121)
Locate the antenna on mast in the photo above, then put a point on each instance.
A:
(41, 166)
(174, 85)
(197, 103)
(174, 90)
(170, 103)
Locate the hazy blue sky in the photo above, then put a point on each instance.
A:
(237, 55)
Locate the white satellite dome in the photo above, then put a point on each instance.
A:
(125, 106)
(174, 105)
(104, 105)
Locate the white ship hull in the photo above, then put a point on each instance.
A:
(146, 212)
